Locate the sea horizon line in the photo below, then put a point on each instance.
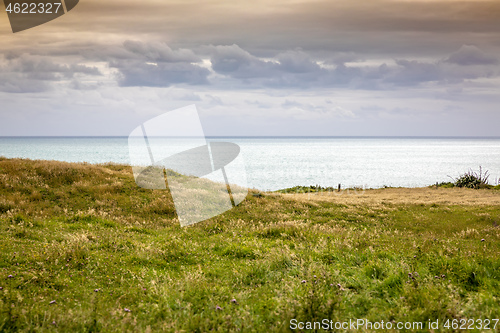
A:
(255, 137)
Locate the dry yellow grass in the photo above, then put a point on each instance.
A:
(375, 197)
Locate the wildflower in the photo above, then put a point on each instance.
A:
(314, 276)
(10, 276)
(96, 290)
(443, 276)
(52, 302)
(126, 310)
(1, 288)
(410, 275)
(304, 281)
(482, 240)
(234, 301)
(436, 277)
(218, 308)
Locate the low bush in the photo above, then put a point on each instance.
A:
(472, 179)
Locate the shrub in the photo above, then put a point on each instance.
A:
(472, 179)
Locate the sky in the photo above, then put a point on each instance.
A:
(257, 68)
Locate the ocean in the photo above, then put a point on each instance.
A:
(280, 162)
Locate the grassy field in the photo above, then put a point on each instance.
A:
(83, 249)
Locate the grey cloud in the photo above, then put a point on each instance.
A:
(297, 69)
(454, 69)
(344, 75)
(288, 104)
(158, 65)
(160, 75)
(79, 85)
(339, 58)
(236, 62)
(471, 55)
(412, 73)
(409, 73)
(265, 51)
(289, 69)
(376, 27)
(13, 83)
(154, 65)
(297, 62)
(188, 96)
(213, 101)
(259, 104)
(152, 51)
(36, 65)
(239, 63)
(27, 73)
(311, 111)
(160, 52)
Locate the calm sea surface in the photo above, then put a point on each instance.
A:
(274, 163)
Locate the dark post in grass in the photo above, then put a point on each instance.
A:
(338, 189)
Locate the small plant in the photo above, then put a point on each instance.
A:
(445, 184)
(472, 179)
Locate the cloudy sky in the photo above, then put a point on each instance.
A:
(261, 67)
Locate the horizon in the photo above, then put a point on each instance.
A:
(271, 137)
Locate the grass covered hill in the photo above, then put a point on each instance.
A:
(83, 249)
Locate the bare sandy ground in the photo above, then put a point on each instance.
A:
(444, 196)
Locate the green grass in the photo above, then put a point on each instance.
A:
(113, 258)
